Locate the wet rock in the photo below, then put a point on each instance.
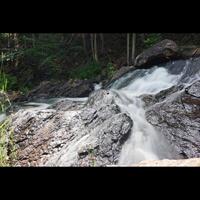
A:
(150, 100)
(194, 89)
(66, 105)
(179, 120)
(89, 135)
(99, 98)
(109, 138)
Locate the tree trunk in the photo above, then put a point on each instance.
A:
(102, 42)
(8, 41)
(128, 42)
(95, 48)
(16, 47)
(133, 48)
(84, 42)
(33, 38)
(92, 45)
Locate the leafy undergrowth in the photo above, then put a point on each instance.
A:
(90, 70)
(7, 145)
(152, 39)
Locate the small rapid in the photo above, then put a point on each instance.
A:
(145, 143)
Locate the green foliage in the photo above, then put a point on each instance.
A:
(152, 39)
(24, 90)
(7, 147)
(4, 100)
(110, 69)
(7, 82)
(3, 82)
(89, 71)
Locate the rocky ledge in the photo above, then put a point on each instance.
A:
(54, 89)
(177, 117)
(77, 135)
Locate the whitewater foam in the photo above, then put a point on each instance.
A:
(145, 143)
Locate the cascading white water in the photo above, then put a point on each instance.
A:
(144, 143)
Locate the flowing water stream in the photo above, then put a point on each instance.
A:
(145, 143)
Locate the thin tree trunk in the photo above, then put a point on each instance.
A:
(8, 41)
(9, 46)
(84, 42)
(128, 41)
(16, 47)
(133, 48)
(16, 41)
(95, 47)
(33, 38)
(102, 42)
(92, 45)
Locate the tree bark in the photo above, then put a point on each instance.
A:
(95, 48)
(102, 42)
(8, 41)
(128, 42)
(16, 47)
(92, 45)
(33, 38)
(133, 48)
(84, 42)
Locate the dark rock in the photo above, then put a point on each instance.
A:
(179, 120)
(160, 52)
(186, 52)
(48, 89)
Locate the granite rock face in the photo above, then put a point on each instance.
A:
(71, 134)
(178, 118)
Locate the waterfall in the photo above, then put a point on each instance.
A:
(145, 143)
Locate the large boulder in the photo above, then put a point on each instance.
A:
(178, 118)
(77, 135)
(160, 52)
